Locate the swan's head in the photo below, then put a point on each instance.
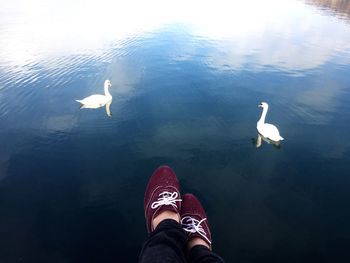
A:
(108, 83)
(263, 105)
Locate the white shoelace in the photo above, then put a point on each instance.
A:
(193, 225)
(166, 198)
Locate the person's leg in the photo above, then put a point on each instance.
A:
(165, 244)
(162, 203)
(194, 222)
(202, 254)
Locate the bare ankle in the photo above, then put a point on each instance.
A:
(165, 215)
(196, 241)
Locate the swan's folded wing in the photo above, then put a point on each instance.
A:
(270, 131)
(94, 99)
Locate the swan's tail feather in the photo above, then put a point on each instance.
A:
(281, 138)
(82, 106)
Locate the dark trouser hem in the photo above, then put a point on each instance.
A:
(202, 254)
(166, 244)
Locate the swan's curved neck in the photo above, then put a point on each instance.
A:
(107, 94)
(263, 115)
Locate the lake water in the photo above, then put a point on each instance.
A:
(187, 79)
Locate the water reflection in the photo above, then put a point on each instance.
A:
(339, 8)
(96, 106)
(258, 142)
(247, 44)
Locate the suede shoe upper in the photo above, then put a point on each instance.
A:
(194, 220)
(162, 193)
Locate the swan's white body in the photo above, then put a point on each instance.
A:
(267, 130)
(97, 100)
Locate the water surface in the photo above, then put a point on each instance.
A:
(187, 79)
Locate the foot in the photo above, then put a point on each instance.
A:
(162, 198)
(194, 222)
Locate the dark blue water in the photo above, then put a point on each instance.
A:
(187, 79)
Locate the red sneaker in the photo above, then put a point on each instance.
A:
(162, 193)
(193, 219)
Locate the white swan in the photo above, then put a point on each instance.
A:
(96, 101)
(267, 130)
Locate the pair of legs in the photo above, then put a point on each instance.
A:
(177, 225)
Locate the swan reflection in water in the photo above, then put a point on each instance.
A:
(97, 100)
(258, 141)
(108, 110)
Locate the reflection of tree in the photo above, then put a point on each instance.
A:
(339, 7)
